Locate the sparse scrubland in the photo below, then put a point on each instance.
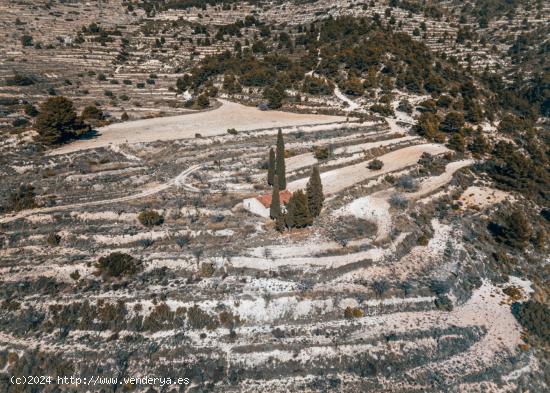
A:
(299, 196)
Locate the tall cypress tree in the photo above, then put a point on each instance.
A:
(271, 167)
(314, 193)
(280, 167)
(275, 208)
(298, 214)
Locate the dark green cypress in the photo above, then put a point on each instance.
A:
(297, 212)
(275, 207)
(314, 192)
(271, 167)
(280, 167)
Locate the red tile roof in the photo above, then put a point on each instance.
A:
(284, 197)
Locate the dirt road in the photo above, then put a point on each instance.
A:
(177, 181)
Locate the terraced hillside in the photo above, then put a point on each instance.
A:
(376, 294)
(138, 182)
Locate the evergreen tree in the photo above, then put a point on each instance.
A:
(314, 192)
(275, 208)
(456, 142)
(280, 166)
(479, 145)
(297, 211)
(271, 167)
(57, 120)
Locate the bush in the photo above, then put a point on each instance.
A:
(232, 131)
(353, 312)
(150, 218)
(380, 287)
(207, 269)
(92, 112)
(384, 110)
(407, 183)
(203, 101)
(118, 264)
(20, 80)
(124, 117)
(443, 303)
(515, 230)
(199, 319)
(398, 202)
(375, 164)
(453, 122)
(19, 122)
(30, 110)
(533, 316)
(53, 239)
(22, 198)
(26, 40)
(321, 152)
(405, 106)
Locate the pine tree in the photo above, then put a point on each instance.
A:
(280, 166)
(271, 167)
(275, 208)
(314, 192)
(297, 212)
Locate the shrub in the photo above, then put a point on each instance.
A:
(30, 110)
(533, 316)
(203, 101)
(232, 131)
(92, 112)
(207, 269)
(405, 106)
(375, 164)
(443, 303)
(182, 241)
(53, 239)
(407, 183)
(19, 122)
(124, 117)
(22, 198)
(398, 201)
(453, 122)
(515, 230)
(321, 152)
(75, 275)
(150, 218)
(26, 40)
(440, 287)
(384, 110)
(380, 287)
(118, 264)
(353, 312)
(20, 80)
(199, 319)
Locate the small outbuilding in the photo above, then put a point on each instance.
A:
(260, 204)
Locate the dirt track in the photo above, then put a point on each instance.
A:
(178, 180)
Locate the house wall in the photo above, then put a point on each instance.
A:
(255, 206)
